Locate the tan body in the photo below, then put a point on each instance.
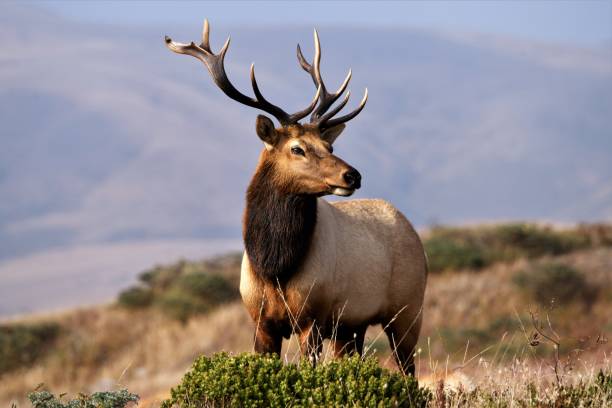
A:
(366, 266)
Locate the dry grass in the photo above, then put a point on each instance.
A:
(456, 301)
(148, 353)
(143, 351)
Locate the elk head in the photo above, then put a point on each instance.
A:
(301, 155)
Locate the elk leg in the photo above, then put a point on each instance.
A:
(403, 335)
(268, 339)
(311, 343)
(350, 343)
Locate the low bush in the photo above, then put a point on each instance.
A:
(595, 394)
(136, 297)
(555, 283)
(194, 293)
(534, 241)
(475, 248)
(23, 344)
(162, 277)
(179, 305)
(446, 253)
(108, 399)
(250, 380)
(185, 288)
(212, 288)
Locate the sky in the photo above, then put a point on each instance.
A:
(584, 23)
(524, 134)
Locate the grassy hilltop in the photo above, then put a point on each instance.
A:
(518, 314)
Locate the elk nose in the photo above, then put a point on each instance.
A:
(353, 178)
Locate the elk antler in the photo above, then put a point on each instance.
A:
(214, 63)
(319, 117)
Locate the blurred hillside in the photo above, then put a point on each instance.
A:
(477, 317)
(106, 136)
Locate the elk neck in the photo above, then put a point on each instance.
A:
(278, 225)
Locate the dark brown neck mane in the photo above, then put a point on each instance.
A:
(278, 226)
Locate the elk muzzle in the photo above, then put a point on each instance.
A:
(349, 181)
(352, 178)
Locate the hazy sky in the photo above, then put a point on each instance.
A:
(583, 22)
(133, 150)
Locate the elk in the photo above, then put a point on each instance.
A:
(319, 269)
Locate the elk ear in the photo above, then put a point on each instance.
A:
(330, 135)
(266, 131)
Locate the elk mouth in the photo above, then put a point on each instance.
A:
(341, 191)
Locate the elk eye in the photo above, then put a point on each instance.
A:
(297, 150)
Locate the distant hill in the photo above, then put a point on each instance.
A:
(106, 136)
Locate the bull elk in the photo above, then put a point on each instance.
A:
(318, 269)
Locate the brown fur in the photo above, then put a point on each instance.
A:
(316, 173)
(281, 208)
(278, 225)
(310, 266)
(322, 270)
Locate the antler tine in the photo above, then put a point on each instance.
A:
(293, 118)
(336, 121)
(337, 109)
(205, 45)
(215, 65)
(320, 117)
(306, 66)
(302, 114)
(314, 69)
(265, 105)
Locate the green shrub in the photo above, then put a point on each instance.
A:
(249, 380)
(595, 234)
(23, 344)
(162, 277)
(185, 289)
(180, 306)
(595, 394)
(444, 253)
(136, 297)
(213, 289)
(194, 293)
(109, 399)
(478, 247)
(533, 241)
(554, 282)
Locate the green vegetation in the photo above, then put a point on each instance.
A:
(136, 297)
(445, 251)
(23, 344)
(214, 288)
(249, 380)
(109, 399)
(555, 283)
(476, 248)
(185, 289)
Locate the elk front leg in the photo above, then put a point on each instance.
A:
(268, 338)
(349, 342)
(311, 343)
